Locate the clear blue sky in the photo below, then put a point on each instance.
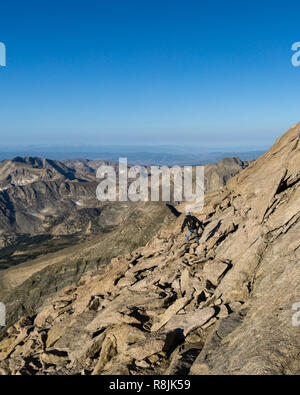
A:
(148, 72)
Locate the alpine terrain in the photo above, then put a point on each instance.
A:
(155, 305)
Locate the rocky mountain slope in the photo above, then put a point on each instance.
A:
(24, 171)
(26, 286)
(224, 307)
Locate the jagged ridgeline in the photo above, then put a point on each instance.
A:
(227, 306)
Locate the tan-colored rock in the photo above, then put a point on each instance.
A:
(23, 322)
(222, 311)
(108, 351)
(172, 310)
(55, 333)
(116, 343)
(213, 271)
(10, 344)
(53, 359)
(46, 317)
(190, 321)
(90, 349)
(142, 364)
(127, 280)
(146, 348)
(153, 358)
(186, 283)
(6, 347)
(209, 323)
(108, 317)
(234, 306)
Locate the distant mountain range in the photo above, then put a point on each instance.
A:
(151, 155)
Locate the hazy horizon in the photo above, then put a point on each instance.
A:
(155, 155)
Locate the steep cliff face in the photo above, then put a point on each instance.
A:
(224, 307)
(217, 175)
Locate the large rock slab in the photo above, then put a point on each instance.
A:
(172, 310)
(154, 345)
(115, 345)
(190, 321)
(140, 351)
(214, 271)
(108, 317)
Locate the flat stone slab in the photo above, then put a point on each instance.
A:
(190, 321)
(142, 350)
(213, 271)
(170, 312)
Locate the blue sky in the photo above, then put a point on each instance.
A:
(137, 72)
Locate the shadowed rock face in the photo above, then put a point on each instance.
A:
(163, 309)
(217, 175)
